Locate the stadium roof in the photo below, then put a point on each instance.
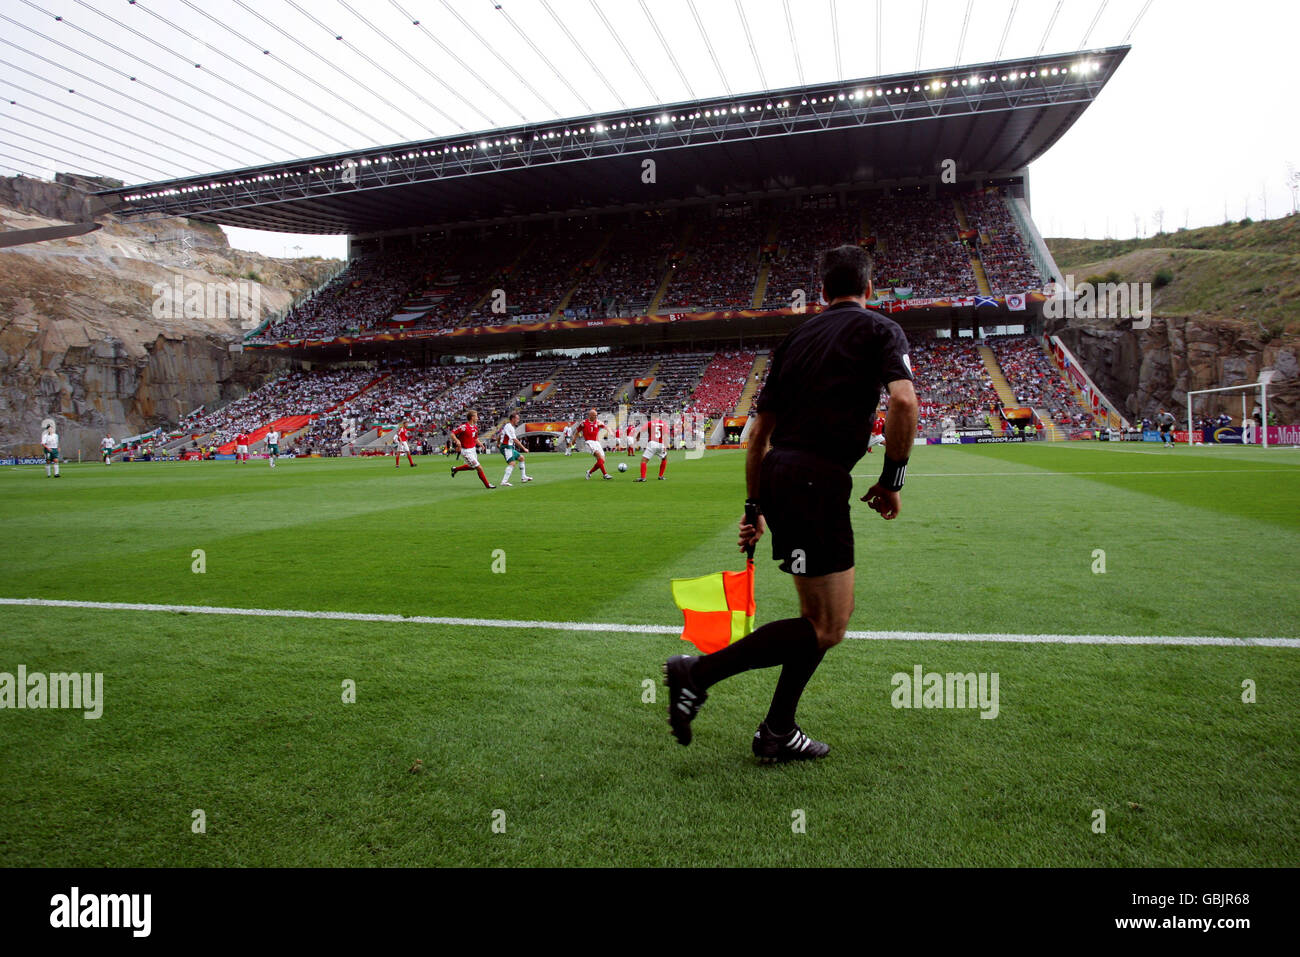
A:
(989, 119)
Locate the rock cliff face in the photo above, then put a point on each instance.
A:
(1145, 370)
(129, 327)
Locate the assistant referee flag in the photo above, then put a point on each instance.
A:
(718, 608)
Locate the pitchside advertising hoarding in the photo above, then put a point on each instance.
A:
(1234, 435)
(1251, 435)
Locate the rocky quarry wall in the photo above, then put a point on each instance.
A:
(1145, 370)
(85, 340)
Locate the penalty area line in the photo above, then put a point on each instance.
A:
(607, 627)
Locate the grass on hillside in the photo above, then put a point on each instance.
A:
(243, 718)
(1245, 272)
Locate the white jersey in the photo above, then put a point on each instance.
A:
(272, 438)
(107, 444)
(50, 440)
(508, 436)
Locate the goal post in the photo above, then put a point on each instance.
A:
(1244, 389)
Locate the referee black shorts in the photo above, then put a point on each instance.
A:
(805, 500)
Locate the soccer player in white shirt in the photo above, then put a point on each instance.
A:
(272, 446)
(567, 439)
(50, 442)
(513, 451)
(107, 445)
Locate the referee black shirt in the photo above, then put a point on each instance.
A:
(826, 379)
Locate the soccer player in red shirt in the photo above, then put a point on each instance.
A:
(877, 434)
(656, 444)
(591, 429)
(465, 438)
(403, 444)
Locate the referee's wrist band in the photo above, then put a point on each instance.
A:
(893, 474)
(753, 503)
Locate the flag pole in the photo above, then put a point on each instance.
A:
(751, 518)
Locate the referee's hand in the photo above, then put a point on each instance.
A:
(750, 534)
(883, 500)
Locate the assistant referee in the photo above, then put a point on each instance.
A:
(813, 425)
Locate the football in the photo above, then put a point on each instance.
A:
(622, 466)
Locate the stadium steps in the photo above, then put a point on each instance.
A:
(366, 439)
(981, 277)
(765, 268)
(746, 401)
(1051, 431)
(1103, 417)
(1000, 384)
(960, 212)
(655, 387)
(362, 391)
(669, 272)
(181, 443)
(599, 251)
(287, 426)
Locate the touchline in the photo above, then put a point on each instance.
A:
(36, 690)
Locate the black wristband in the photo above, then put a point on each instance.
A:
(753, 503)
(892, 475)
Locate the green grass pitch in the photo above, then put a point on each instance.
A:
(456, 728)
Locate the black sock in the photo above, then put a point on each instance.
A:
(794, 678)
(775, 643)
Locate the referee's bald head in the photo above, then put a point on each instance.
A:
(846, 271)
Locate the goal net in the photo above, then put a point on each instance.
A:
(1236, 415)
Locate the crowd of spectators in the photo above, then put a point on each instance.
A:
(628, 275)
(917, 246)
(1002, 252)
(723, 382)
(363, 295)
(710, 259)
(1037, 383)
(720, 267)
(952, 383)
(535, 285)
(413, 395)
(802, 238)
(295, 393)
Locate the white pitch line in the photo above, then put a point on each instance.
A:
(642, 629)
(1055, 474)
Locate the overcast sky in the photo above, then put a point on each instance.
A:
(1194, 123)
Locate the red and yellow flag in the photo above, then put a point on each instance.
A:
(718, 608)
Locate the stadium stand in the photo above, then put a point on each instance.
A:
(951, 383)
(293, 394)
(1036, 382)
(627, 276)
(723, 382)
(675, 376)
(587, 381)
(800, 240)
(1001, 249)
(704, 263)
(720, 266)
(917, 247)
